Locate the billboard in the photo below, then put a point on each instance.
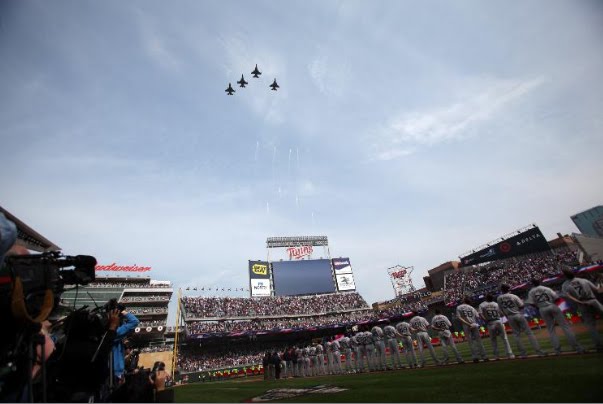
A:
(526, 242)
(260, 287)
(342, 266)
(345, 282)
(302, 277)
(259, 278)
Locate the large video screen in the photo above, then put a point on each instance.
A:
(302, 277)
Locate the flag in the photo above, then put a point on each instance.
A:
(562, 304)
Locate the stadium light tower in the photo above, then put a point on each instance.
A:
(401, 280)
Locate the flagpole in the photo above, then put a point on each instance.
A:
(175, 354)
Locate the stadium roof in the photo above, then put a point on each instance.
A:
(28, 237)
(275, 242)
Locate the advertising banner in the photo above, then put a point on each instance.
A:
(526, 242)
(260, 287)
(259, 270)
(345, 282)
(342, 266)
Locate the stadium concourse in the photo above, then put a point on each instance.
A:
(228, 337)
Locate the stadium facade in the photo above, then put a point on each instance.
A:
(590, 222)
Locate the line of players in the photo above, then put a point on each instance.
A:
(368, 348)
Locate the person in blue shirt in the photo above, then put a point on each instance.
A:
(128, 323)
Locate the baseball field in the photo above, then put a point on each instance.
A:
(566, 378)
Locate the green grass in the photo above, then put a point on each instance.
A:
(568, 378)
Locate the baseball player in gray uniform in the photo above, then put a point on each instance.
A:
(511, 306)
(582, 292)
(314, 370)
(329, 353)
(320, 355)
(346, 346)
(467, 315)
(307, 361)
(441, 324)
(419, 326)
(391, 336)
(405, 331)
(544, 298)
(300, 362)
(490, 312)
(336, 352)
(369, 345)
(380, 359)
(357, 346)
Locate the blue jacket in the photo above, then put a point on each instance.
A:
(129, 324)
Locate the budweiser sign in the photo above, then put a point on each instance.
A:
(299, 252)
(122, 268)
(399, 274)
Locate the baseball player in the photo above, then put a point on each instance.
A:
(467, 315)
(329, 352)
(490, 312)
(300, 361)
(307, 361)
(442, 324)
(405, 331)
(391, 336)
(544, 298)
(380, 359)
(346, 346)
(313, 360)
(369, 345)
(511, 306)
(357, 346)
(419, 327)
(320, 356)
(582, 292)
(336, 349)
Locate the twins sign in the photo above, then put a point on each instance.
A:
(299, 252)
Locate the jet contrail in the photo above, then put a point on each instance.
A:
(297, 152)
(312, 218)
(267, 208)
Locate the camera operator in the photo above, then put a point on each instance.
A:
(128, 323)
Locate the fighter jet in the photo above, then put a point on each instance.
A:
(274, 86)
(256, 73)
(242, 83)
(230, 90)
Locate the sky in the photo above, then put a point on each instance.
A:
(408, 132)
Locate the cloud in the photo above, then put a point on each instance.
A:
(155, 43)
(479, 103)
(329, 77)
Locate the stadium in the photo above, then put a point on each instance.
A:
(297, 336)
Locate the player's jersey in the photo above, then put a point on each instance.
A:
(354, 342)
(440, 322)
(404, 329)
(419, 324)
(319, 349)
(377, 333)
(305, 352)
(389, 331)
(368, 338)
(467, 313)
(328, 348)
(335, 346)
(542, 297)
(509, 304)
(581, 289)
(345, 343)
(312, 351)
(489, 311)
(298, 353)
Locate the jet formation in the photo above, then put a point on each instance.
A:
(242, 83)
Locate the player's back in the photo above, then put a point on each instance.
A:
(419, 324)
(542, 296)
(509, 304)
(440, 322)
(404, 328)
(579, 288)
(466, 312)
(389, 331)
(489, 311)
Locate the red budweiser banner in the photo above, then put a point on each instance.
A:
(122, 268)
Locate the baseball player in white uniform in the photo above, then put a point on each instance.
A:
(582, 292)
(544, 298)
(320, 355)
(490, 312)
(511, 306)
(300, 362)
(442, 324)
(314, 370)
(380, 359)
(419, 327)
(391, 336)
(467, 315)
(329, 352)
(405, 331)
(358, 351)
(369, 345)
